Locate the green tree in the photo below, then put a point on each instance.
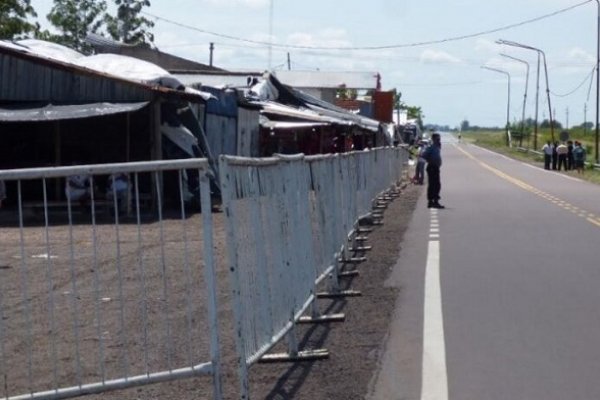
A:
(74, 19)
(398, 104)
(346, 94)
(546, 124)
(464, 125)
(14, 22)
(129, 26)
(415, 112)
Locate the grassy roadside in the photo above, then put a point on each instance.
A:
(496, 141)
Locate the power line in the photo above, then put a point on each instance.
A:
(441, 84)
(384, 47)
(588, 76)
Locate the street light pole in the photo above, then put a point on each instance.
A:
(524, 97)
(507, 102)
(537, 101)
(597, 76)
(523, 46)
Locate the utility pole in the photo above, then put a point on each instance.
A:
(540, 52)
(567, 121)
(524, 98)
(584, 118)
(289, 62)
(537, 100)
(211, 48)
(597, 78)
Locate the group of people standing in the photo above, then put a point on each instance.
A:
(569, 156)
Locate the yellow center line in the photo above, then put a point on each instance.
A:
(590, 217)
(593, 221)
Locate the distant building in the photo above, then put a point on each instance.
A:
(324, 84)
(166, 61)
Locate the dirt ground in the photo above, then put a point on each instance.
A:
(354, 345)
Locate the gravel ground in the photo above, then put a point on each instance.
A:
(354, 345)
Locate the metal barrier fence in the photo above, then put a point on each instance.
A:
(93, 299)
(290, 220)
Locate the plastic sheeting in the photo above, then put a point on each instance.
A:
(51, 112)
(50, 50)
(136, 70)
(182, 137)
(267, 123)
(129, 68)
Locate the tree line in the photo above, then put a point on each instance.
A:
(527, 126)
(73, 20)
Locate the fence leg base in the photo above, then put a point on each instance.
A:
(361, 248)
(349, 274)
(341, 317)
(341, 293)
(353, 260)
(306, 355)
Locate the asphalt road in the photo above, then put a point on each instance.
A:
(518, 287)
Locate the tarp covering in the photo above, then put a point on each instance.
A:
(137, 70)
(50, 50)
(267, 123)
(51, 112)
(108, 65)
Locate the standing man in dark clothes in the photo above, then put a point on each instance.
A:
(554, 156)
(433, 156)
(570, 162)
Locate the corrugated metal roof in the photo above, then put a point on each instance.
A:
(273, 108)
(28, 77)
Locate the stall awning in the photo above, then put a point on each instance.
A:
(51, 112)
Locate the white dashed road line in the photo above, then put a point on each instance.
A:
(434, 373)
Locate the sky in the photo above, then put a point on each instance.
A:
(420, 58)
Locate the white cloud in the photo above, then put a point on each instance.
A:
(579, 55)
(575, 61)
(328, 37)
(486, 45)
(438, 57)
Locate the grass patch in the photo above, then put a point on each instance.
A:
(496, 141)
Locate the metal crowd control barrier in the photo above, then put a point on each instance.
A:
(289, 220)
(92, 302)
